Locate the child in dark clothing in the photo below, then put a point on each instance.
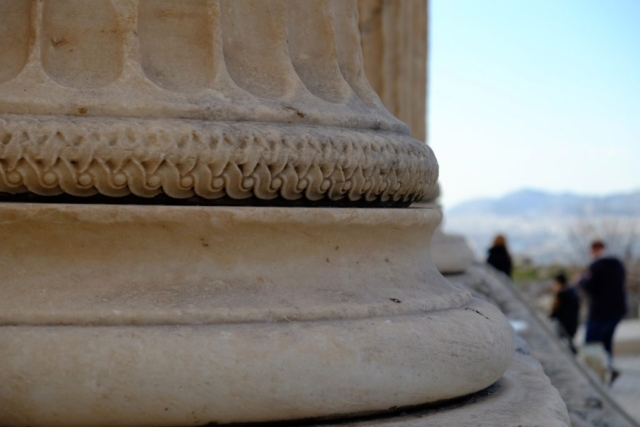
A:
(565, 309)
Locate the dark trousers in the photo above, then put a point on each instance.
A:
(602, 330)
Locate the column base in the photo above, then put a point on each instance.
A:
(451, 253)
(522, 397)
(169, 316)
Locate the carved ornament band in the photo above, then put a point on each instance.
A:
(116, 157)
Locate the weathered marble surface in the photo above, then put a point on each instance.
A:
(164, 315)
(522, 397)
(229, 98)
(394, 46)
(159, 315)
(451, 252)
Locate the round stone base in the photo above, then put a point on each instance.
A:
(451, 253)
(523, 397)
(169, 316)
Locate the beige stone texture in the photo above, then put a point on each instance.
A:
(394, 45)
(451, 252)
(523, 397)
(228, 98)
(149, 315)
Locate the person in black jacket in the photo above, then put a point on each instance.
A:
(565, 309)
(499, 257)
(604, 285)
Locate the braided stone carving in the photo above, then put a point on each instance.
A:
(84, 156)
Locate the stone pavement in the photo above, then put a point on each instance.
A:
(589, 404)
(626, 389)
(627, 338)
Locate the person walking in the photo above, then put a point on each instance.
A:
(604, 285)
(499, 257)
(565, 309)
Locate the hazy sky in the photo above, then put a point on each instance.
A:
(535, 94)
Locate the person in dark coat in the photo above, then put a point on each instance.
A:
(565, 309)
(604, 285)
(499, 257)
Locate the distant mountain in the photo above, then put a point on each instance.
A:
(535, 202)
(548, 227)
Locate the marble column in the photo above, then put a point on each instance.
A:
(204, 209)
(395, 47)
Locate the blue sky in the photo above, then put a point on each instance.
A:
(534, 94)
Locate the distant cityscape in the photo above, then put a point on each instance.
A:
(549, 228)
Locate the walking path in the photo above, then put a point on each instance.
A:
(588, 403)
(626, 389)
